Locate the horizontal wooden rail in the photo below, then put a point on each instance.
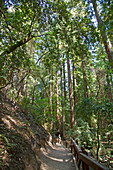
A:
(92, 163)
(83, 161)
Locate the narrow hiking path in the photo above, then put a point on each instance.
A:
(56, 158)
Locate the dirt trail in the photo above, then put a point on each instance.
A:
(56, 158)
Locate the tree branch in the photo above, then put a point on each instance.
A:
(18, 44)
(41, 56)
(6, 85)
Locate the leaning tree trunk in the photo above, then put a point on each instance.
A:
(105, 39)
(70, 92)
(84, 78)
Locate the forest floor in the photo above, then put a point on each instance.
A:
(56, 158)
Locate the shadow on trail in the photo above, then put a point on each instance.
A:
(57, 158)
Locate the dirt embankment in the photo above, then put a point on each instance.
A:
(21, 138)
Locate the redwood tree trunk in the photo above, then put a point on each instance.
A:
(70, 92)
(57, 102)
(62, 103)
(50, 97)
(64, 116)
(64, 83)
(84, 78)
(105, 39)
(74, 85)
(53, 109)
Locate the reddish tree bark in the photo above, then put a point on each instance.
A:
(53, 109)
(74, 85)
(64, 83)
(57, 102)
(50, 98)
(84, 78)
(64, 116)
(62, 103)
(70, 92)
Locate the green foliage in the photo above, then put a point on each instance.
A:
(34, 42)
(85, 135)
(84, 109)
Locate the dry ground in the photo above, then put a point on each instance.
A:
(56, 158)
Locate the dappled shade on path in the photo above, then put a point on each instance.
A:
(56, 158)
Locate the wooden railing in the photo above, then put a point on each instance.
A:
(84, 162)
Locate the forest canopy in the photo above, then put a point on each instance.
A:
(56, 61)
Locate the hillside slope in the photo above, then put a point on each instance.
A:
(21, 137)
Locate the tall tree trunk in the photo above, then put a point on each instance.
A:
(57, 102)
(53, 109)
(64, 116)
(105, 39)
(70, 92)
(64, 83)
(62, 103)
(74, 85)
(50, 97)
(45, 109)
(84, 78)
